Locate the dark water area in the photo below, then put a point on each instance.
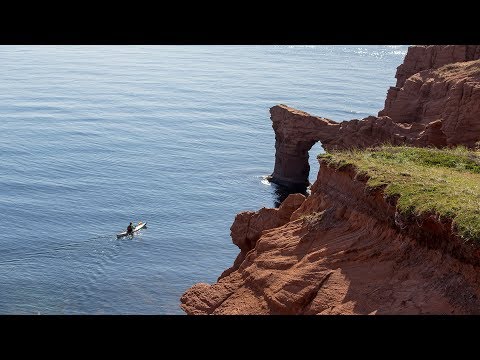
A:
(281, 192)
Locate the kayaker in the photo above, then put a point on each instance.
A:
(130, 229)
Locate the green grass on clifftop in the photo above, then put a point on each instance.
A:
(446, 182)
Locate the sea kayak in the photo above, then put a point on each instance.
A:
(140, 225)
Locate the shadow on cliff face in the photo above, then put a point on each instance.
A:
(280, 193)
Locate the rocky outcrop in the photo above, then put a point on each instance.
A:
(347, 251)
(425, 57)
(248, 226)
(450, 95)
(436, 103)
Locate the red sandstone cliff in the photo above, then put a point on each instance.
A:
(345, 249)
(344, 252)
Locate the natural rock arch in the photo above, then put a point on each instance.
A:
(295, 134)
(436, 102)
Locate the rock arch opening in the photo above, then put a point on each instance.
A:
(316, 149)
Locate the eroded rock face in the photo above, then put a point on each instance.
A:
(436, 103)
(450, 94)
(344, 252)
(248, 226)
(424, 57)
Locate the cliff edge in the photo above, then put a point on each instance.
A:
(351, 247)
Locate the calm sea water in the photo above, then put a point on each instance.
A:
(93, 137)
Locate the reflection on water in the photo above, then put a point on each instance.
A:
(282, 192)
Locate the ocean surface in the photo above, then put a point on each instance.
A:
(93, 137)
